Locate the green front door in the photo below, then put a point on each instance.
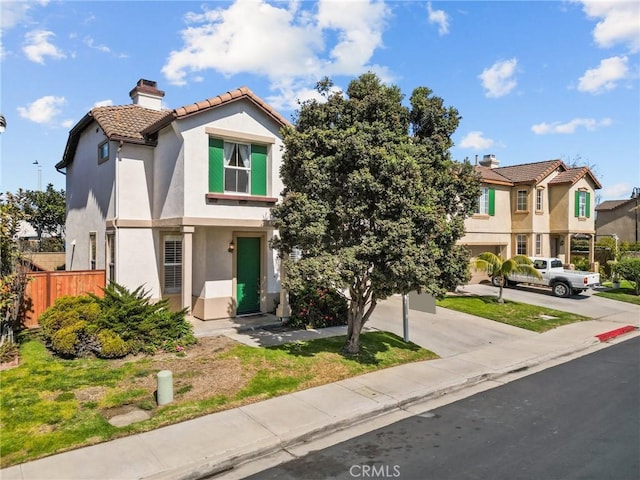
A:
(248, 274)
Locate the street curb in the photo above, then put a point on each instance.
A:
(603, 337)
(207, 468)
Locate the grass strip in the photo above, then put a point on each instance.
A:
(522, 315)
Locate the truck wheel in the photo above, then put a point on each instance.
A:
(495, 281)
(561, 289)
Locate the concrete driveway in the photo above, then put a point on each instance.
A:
(585, 304)
(447, 332)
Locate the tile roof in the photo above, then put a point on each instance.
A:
(612, 204)
(573, 175)
(133, 123)
(530, 172)
(489, 175)
(213, 102)
(126, 121)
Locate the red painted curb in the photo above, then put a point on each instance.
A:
(603, 337)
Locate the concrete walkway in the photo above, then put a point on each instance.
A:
(473, 350)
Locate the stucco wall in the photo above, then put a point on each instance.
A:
(485, 232)
(621, 221)
(135, 182)
(241, 117)
(89, 194)
(137, 264)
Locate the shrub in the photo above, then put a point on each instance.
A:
(75, 340)
(111, 345)
(581, 264)
(318, 307)
(121, 322)
(629, 269)
(67, 311)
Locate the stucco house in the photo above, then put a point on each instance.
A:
(532, 209)
(178, 200)
(620, 218)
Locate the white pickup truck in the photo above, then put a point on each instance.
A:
(563, 282)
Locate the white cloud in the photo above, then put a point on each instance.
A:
(619, 23)
(13, 13)
(281, 42)
(103, 103)
(571, 126)
(43, 110)
(618, 191)
(476, 141)
(605, 76)
(498, 80)
(38, 46)
(440, 18)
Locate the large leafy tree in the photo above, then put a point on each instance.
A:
(372, 198)
(46, 211)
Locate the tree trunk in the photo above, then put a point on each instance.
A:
(354, 327)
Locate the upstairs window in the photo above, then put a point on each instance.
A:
(237, 167)
(487, 201)
(582, 204)
(539, 198)
(103, 152)
(521, 202)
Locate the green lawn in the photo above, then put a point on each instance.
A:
(626, 292)
(50, 405)
(530, 317)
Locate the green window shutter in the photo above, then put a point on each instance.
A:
(216, 165)
(258, 170)
(577, 204)
(492, 201)
(588, 205)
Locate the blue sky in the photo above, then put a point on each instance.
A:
(532, 81)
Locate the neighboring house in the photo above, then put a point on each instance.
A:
(619, 218)
(532, 209)
(178, 200)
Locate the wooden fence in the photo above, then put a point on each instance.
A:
(44, 288)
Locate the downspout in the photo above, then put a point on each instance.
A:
(116, 212)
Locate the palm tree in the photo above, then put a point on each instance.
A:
(499, 268)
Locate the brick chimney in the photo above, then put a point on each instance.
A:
(489, 161)
(147, 95)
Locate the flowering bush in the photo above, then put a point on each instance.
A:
(317, 307)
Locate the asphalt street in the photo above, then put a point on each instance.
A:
(578, 420)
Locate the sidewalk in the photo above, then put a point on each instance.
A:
(217, 442)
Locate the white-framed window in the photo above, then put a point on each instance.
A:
(521, 202)
(521, 244)
(483, 202)
(172, 263)
(103, 151)
(582, 204)
(538, 244)
(539, 199)
(111, 256)
(93, 246)
(237, 167)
